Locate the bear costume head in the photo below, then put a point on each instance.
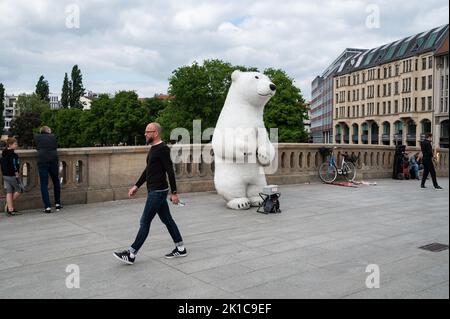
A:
(253, 87)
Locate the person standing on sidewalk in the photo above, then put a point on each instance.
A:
(427, 160)
(10, 170)
(159, 166)
(48, 164)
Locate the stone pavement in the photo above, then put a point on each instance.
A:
(318, 247)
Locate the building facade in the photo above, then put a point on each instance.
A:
(307, 122)
(386, 95)
(322, 100)
(9, 110)
(441, 129)
(54, 101)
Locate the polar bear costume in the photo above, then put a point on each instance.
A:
(240, 142)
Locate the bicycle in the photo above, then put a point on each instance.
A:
(329, 171)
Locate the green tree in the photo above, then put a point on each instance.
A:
(77, 90)
(65, 94)
(129, 118)
(42, 89)
(199, 93)
(286, 110)
(2, 107)
(65, 124)
(153, 106)
(24, 127)
(31, 104)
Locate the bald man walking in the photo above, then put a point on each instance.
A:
(159, 164)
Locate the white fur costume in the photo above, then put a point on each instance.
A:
(240, 141)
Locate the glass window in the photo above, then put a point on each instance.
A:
(403, 49)
(431, 40)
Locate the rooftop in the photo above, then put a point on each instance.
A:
(318, 247)
(414, 45)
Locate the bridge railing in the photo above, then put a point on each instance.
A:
(91, 175)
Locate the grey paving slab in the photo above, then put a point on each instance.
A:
(318, 247)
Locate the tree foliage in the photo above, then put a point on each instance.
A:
(65, 93)
(24, 127)
(286, 110)
(77, 89)
(197, 92)
(42, 89)
(31, 104)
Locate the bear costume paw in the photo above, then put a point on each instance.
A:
(239, 203)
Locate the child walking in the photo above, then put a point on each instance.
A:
(10, 170)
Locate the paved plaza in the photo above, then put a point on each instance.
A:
(318, 247)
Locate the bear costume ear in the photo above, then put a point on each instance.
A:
(235, 75)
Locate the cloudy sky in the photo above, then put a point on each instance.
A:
(135, 45)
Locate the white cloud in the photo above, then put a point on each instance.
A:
(137, 44)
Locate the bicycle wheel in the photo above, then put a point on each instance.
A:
(327, 172)
(349, 171)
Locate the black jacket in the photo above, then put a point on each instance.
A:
(46, 146)
(427, 150)
(159, 164)
(10, 163)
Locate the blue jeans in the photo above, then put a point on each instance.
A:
(156, 204)
(415, 169)
(52, 169)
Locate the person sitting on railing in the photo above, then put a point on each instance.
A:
(415, 165)
(48, 164)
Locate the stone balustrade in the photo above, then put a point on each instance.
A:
(91, 175)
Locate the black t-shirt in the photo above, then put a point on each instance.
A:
(46, 145)
(159, 164)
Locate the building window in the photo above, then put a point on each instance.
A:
(390, 71)
(378, 108)
(417, 64)
(389, 107)
(416, 84)
(424, 82)
(430, 62)
(424, 63)
(423, 104)
(396, 106)
(430, 82)
(384, 107)
(430, 103)
(415, 104)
